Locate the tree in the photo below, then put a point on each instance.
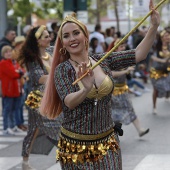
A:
(53, 9)
(115, 2)
(100, 10)
(24, 9)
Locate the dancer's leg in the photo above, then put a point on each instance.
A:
(141, 131)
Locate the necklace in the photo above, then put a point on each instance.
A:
(77, 64)
(46, 57)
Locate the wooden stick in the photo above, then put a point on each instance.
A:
(120, 42)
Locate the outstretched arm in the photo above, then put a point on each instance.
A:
(122, 72)
(160, 60)
(143, 48)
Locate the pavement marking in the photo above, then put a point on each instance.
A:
(7, 163)
(3, 146)
(154, 162)
(55, 167)
(16, 134)
(10, 139)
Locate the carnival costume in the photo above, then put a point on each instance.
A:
(160, 73)
(122, 109)
(87, 139)
(42, 132)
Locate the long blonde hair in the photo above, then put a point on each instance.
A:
(51, 104)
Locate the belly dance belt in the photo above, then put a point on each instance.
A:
(168, 69)
(157, 74)
(79, 148)
(33, 99)
(120, 89)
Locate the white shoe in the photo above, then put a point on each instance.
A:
(16, 129)
(154, 111)
(137, 93)
(143, 132)
(26, 166)
(5, 132)
(137, 74)
(146, 90)
(131, 89)
(10, 131)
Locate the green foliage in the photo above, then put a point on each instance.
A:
(56, 8)
(88, 3)
(24, 9)
(53, 9)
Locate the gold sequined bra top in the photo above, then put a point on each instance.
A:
(104, 89)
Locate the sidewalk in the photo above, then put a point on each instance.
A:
(151, 152)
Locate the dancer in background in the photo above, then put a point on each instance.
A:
(122, 108)
(38, 63)
(160, 70)
(87, 139)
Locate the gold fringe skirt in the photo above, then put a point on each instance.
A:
(79, 148)
(157, 74)
(120, 89)
(34, 99)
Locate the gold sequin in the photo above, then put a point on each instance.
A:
(75, 152)
(168, 69)
(120, 89)
(34, 99)
(157, 74)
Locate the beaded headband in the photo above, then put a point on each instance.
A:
(40, 31)
(72, 18)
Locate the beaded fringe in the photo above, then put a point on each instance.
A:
(118, 90)
(156, 74)
(73, 151)
(34, 99)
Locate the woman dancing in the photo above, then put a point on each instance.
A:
(160, 70)
(87, 138)
(38, 63)
(122, 108)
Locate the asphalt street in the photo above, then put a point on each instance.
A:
(150, 152)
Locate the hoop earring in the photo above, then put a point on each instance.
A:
(62, 51)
